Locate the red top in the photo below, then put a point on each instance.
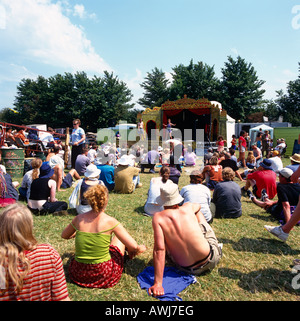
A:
(45, 281)
(214, 172)
(265, 179)
(242, 141)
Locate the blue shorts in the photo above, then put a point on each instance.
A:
(212, 184)
(67, 181)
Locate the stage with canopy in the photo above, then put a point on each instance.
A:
(187, 113)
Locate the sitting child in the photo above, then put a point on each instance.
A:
(251, 160)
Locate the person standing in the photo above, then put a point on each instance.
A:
(169, 126)
(233, 142)
(242, 148)
(141, 129)
(77, 141)
(220, 143)
(266, 137)
(259, 138)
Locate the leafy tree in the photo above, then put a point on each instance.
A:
(62, 88)
(156, 89)
(25, 101)
(195, 80)
(240, 88)
(116, 98)
(58, 100)
(132, 115)
(289, 103)
(10, 116)
(272, 110)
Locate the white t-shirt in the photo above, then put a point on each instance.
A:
(276, 164)
(200, 194)
(280, 147)
(48, 138)
(92, 154)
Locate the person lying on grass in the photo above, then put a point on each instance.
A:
(99, 257)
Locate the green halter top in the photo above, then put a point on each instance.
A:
(92, 248)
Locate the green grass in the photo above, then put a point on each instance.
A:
(255, 266)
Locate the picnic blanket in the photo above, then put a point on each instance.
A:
(174, 282)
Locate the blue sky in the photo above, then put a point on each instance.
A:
(131, 37)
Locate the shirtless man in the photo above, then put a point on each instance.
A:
(183, 232)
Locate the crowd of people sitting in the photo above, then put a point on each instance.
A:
(101, 242)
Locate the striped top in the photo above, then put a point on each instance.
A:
(45, 281)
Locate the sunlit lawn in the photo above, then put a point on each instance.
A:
(255, 266)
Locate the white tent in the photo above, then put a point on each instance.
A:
(253, 131)
(230, 129)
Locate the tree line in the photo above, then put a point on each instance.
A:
(239, 90)
(98, 102)
(102, 101)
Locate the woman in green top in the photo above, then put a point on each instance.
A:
(99, 257)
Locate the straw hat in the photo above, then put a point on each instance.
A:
(275, 152)
(92, 171)
(295, 158)
(169, 195)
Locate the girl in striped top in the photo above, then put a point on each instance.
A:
(28, 271)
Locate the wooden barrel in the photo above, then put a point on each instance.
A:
(13, 160)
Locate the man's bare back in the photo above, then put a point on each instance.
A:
(185, 234)
(178, 229)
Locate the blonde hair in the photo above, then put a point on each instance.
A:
(213, 160)
(228, 174)
(16, 237)
(97, 196)
(36, 163)
(250, 158)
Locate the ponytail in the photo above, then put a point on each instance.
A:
(164, 173)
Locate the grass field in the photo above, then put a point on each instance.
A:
(255, 265)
